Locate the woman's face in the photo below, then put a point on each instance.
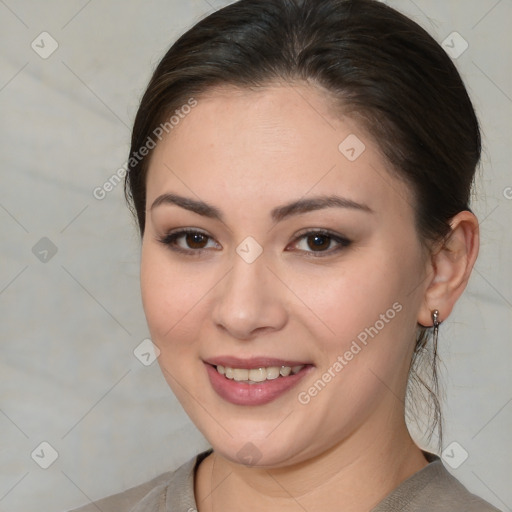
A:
(302, 258)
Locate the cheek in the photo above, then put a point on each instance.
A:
(362, 340)
(362, 309)
(348, 297)
(170, 295)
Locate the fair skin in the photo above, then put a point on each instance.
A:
(246, 153)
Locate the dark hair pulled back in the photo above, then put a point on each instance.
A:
(378, 65)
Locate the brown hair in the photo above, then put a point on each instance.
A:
(378, 65)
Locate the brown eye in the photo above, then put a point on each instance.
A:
(318, 242)
(189, 241)
(196, 240)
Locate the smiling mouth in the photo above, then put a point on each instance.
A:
(254, 381)
(257, 375)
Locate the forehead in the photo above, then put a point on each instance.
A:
(271, 144)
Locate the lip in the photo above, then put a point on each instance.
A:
(241, 393)
(253, 362)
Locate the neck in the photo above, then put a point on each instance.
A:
(355, 473)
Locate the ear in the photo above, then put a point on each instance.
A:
(450, 267)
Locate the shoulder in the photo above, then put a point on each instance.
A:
(153, 496)
(151, 493)
(433, 489)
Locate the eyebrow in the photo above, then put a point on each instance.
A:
(277, 214)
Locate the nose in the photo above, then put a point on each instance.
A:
(249, 301)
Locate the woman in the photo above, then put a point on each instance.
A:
(300, 171)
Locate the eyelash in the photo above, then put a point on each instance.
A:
(169, 241)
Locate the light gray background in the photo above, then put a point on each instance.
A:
(69, 325)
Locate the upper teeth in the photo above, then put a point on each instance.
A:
(257, 374)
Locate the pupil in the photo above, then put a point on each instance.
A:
(318, 241)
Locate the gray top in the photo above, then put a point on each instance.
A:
(432, 489)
